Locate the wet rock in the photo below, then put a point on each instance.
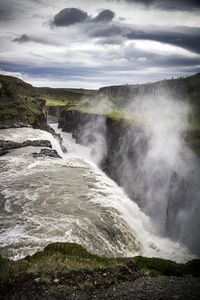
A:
(15, 125)
(6, 145)
(46, 152)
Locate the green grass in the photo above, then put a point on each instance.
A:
(52, 102)
(62, 258)
(158, 267)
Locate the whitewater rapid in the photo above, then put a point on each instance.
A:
(68, 199)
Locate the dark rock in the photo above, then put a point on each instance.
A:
(46, 152)
(37, 143)
(18, 125)
(6, 145)
(58, 138)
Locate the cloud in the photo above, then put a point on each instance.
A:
(22, 39)
(14, 74)
(106, 31)
(105, 16)
(37, 39)
(111, 41)
(184, 37)
(98, 42)
(6, 12)
(184, 5)
(69, 16)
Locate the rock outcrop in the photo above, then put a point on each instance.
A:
(6, 145)
(46, 153)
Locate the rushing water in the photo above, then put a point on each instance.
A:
(68, 199)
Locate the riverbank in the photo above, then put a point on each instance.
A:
(68, 271)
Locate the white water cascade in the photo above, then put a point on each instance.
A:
(68, 199)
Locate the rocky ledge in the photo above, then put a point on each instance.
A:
(6, 145)
(46, 153)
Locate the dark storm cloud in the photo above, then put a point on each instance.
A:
(22, 39)
(107, 31)
(184, 37)
(184, 5)
(6, 12)
(105, 16)
(69, 16)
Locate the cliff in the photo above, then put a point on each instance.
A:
(176, 87)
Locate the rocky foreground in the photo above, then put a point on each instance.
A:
(68, 271)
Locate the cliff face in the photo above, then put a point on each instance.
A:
(85, 127)
(126, 146)
(20, 104)
(109, 140)
(175, 86)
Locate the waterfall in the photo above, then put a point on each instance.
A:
(152, 162)
(69, 199)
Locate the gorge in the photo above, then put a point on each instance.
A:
(145, 138)
(149, 144)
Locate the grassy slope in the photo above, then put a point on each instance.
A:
(73, 267)
(18, 102)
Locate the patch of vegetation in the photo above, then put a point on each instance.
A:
(63, 96)
(158, 267)
(63, 268)
(18, 103)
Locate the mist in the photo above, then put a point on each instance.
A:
(155, 167)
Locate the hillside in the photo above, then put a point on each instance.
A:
(21, 103)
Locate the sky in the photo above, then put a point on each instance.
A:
(95, 43)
